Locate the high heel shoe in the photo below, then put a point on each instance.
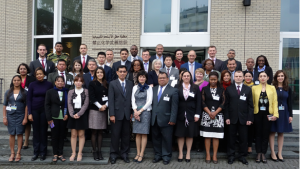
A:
(276, 160)
(263, 158)
(79, 158)
(100, 155)
(282, 160)
(72, 157)
(11, 159)
(135, 159)
(258, 158)
(141, 160)
(95, 156)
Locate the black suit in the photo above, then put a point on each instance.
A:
(238, 111)
(85, 69)
(115, 68)
(120, 107)
(68, 81)
(36, 63)
(163, 112)
(238, 65)
(218, 65)
(96, 93)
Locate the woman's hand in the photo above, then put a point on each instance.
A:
(196, 119)
(273, 118)
(5, 122)
(30, 118)
(49, 122)
(24, 121)
(290, 119)
(65, 118)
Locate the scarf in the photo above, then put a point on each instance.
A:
(249, 84)
(65, 90)
(143, 87)
(225, 85)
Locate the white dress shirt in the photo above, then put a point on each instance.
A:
(40, 59)
(239, 85)
(214, 59)
(85, 57)
(59, 74)
(102, 66)
(123, 62)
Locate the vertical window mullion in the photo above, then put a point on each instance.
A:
(174, 16)
(56, 23)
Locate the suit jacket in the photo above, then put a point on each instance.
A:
(191, 106)
(218, 64)
(238, 65)
(68, 81)
(96, 92)
(130, 58)
(120, 104)
(269, 72)
(29, 79)
(197, 65)
(237, 109)
(164, 111)
(108, 72)
(36, 63)
(53, 105)
(87, 79)
(149, 66)
(152, 78)
(173, 73)
(85, 69)
(115, 68)
(112, 63)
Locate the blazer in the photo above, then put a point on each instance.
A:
(164, 111)
(130, 58)
(173, 73)
(269, 72)
(120, 104)
(272, 97)
(96, 92)
(87, 79)
(29, 79)
(238, 65)
(197, 65)
(68, 81)
(190, 106)
(149, 66)
(21, 105)
(208, 101)
(148, 105)
(115, 68)
(84, 102)
(218, 64)
(112, 63)
(53, 105)
(36, 63)
(152, 78)
(255, 76)
(237, 109)
(108, 72)
(85, 69)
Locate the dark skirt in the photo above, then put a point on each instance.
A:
(15, 120)
(183, 130)
(78, 124)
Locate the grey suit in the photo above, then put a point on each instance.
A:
(130, 58)
(218, 65)
(238, 65)
(120, 107)
(68, 81)
(174, 72)
(163, 112)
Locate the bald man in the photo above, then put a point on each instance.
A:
(159, 55)
(192, 65)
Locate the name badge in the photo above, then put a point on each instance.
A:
(172, 78)
(13, 107)
(281, 108)
(173, 83)
(257, 82)
(105, 98)
(26, 88)
(216, 98)
(69, 83)
(56, 64)
(166, 98)
(8, 108)
(192, 94)
(243, 97)
(263, 108)
(45, 77)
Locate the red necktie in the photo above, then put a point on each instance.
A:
(238, 90)
(83, 62)
(43, 64)
(62, 74)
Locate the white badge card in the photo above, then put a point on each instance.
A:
(281, 107)
(173, 83)
(104, 98)
(216, 98)
(166, 98)
(45, 77)
(257, 82)
(69, 83)
(262, 108)
(243, 97)
(8, 108)
(13, 107)
(191, 94)
(172, 77)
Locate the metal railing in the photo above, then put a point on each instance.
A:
(1, 84)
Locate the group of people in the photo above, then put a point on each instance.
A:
(193, 103)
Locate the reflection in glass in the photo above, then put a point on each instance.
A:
(157, 16)
(290, 64)
(71, 17)
(289, 20)
(71, 46)
(44, 17)
(46, 41)
(193, 15)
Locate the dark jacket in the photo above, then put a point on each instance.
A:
(53, 105)
(238, 65)
(152, 78)
(96, 93)
(36, 63)
(115, 68)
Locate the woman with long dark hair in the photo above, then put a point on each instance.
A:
(15, 115)
(98, 92)
(136, 66)
(262, 64)
(76, 68)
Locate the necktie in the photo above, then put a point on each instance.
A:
(168, 71)
(83, 62)
(43, 64)
(192, 70)
(62, 74)
(146, 67)
(123, 87)
(238, 90)
(159, 94)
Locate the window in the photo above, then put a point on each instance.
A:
(289, 21)
(57, 21)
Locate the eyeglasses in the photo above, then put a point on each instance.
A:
(122, 71)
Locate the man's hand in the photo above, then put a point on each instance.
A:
(171, 123)
(112, 119)
(228, 121)
(248, 123)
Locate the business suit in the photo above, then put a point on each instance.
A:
(85, 69)
(268, 71)
(196, 66)
(238, 65)
(68, 80)
(50, 67)
(120, 107)
(238, 111)
(174, 73)
(138, 57)
(163, 112)
(149, 66)
(87, 79)
(218, 64)
(108, 72)
(115, 68)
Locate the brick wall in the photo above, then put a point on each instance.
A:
(260, 35)
(123, 19)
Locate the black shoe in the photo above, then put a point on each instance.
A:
(166, 162)
(230, 160)
(263, 158)
(126, 160)
(180, 160)
(276, 160)
(282, 160)
(155, 160)
(99, 155)
(187, 160)
(140, 161)
(95, 156)
(113, 160)
(42, 158)
(24, 147)
(258, 158)
(34, 157)
(243, 160)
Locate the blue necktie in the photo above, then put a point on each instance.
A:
(159, 94)
(123, 87)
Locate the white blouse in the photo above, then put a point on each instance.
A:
(148, 105)
(77, 100)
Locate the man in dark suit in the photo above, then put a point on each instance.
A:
(212, 51)
(231, 55)
(120, 112)
(192, 65)
(146, 62)
(84, 58)
(123, 61)
(101, 63)
(61, 71)
(88, 77)
(48, 65)
(164, 115)
(250, 64)
(238, 115)
(231, 67)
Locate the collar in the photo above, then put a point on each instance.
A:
(215, 58)
(184, 88)
(123, 61)
(169, 68)
(191, 63)
(101, 66)
(85, 56)
(146, 62)
(239, 85)
(162, 86)
(40, 59)
(59, 72)
(249, 70)
(158, 56)
(262, 69)
(122, 81)
(231, 72)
